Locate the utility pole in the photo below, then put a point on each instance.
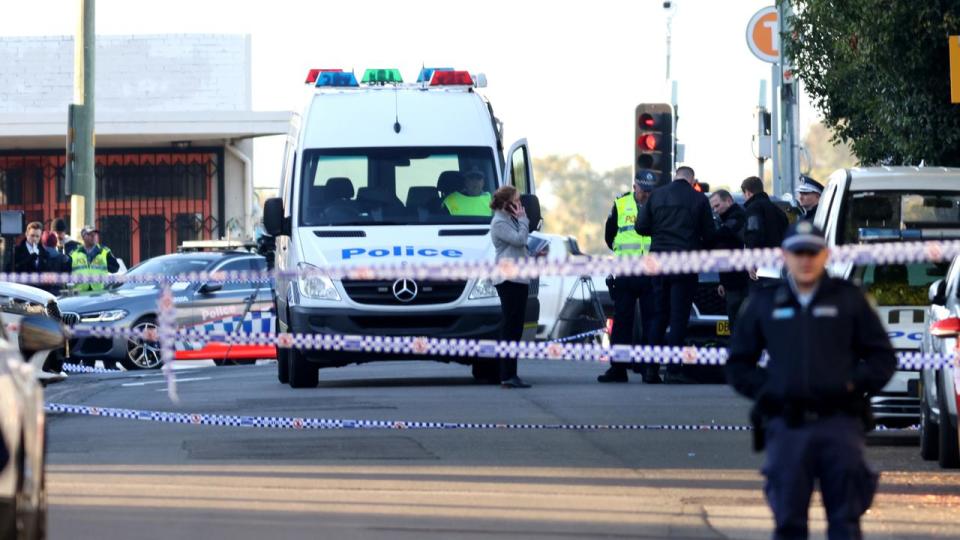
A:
(789, 149)
(82, 184)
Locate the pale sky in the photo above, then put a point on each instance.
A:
(566, 75)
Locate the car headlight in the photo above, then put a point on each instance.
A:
(484, 288)
(103, 316)
(314, 285)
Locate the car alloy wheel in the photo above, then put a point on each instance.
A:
(143, 354)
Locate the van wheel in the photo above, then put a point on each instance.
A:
(302, 372)
(949, 446)
(283, 365)
(929, 433)
(486, 371)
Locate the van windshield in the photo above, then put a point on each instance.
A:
(899, 284)
(397, 186)
(897, 211)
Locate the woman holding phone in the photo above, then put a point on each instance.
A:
(509, 230)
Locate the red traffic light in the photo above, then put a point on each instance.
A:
(646, 121)
(647, 141)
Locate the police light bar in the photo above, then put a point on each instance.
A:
(314, 73)
(382, 76)
(426, 74)
(336, 79)
(908, 235)
(451, 78)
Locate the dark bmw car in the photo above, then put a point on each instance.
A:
(231, 307)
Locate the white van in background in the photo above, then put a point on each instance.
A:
(369, 173)
(893, 204)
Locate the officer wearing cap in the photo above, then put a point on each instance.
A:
(828, 352)
(808, 195)
(92, 259)
(627, 291)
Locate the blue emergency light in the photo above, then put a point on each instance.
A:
(333, 79)
(427, 73)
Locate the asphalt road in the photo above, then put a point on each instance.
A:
(112, 478)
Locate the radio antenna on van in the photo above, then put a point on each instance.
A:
(396, 109)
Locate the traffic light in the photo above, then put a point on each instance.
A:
(653, 143)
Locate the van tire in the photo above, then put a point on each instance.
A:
(929, 434)
(486, 371)
(302, 372)
(283, 365)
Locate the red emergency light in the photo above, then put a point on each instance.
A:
(451, 78)
(314, 73)
(945, 328)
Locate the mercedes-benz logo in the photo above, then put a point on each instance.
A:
(405, 290)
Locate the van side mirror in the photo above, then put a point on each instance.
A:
(937, 294)
(273, 221)
(531, 204)
(211, 287)
(40, 334)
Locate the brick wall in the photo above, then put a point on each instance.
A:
(169, 72)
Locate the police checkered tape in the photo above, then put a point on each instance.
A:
(300, 423)
(453, 347)
(663, 263)
(297, 423)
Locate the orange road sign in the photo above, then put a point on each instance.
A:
(954, 46)
(763, 35)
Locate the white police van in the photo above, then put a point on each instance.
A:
(892, 204)
(369, 171)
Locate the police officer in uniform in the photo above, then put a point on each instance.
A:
(828, 354)
(808, 195)
(622, 238)
(92, 259)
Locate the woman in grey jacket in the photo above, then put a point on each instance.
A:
(509, 230)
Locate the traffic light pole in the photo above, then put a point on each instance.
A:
(83, 191)
(789, 111)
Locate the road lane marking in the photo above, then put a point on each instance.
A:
(163, 381)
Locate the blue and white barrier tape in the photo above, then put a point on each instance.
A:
(575, 352)
(299, 423)
(591, 333)
(682, 262)
(282, 422)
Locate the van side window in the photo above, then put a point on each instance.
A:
(518, 162)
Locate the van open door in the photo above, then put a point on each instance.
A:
(519, 171)
(519, 174)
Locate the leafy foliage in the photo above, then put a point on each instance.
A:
(825, 155)
(579, 198)
(878, 70)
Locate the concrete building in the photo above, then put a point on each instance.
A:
(174, 130)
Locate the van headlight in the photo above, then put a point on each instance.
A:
(484, 288)
(112, 315)
(314, 285)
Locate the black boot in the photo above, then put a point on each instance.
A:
(615, 374)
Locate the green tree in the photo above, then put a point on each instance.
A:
(579, 198)
(878, 72)
(825, 154)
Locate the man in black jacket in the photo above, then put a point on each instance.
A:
(828, 353)
(677, 218)
(29, 256)
(766, 223)
(731, 222)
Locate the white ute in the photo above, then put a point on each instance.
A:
(893, 204)
(377, 172)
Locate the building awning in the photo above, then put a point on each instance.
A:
(32, 131)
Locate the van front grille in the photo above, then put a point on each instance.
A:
(380, 293)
